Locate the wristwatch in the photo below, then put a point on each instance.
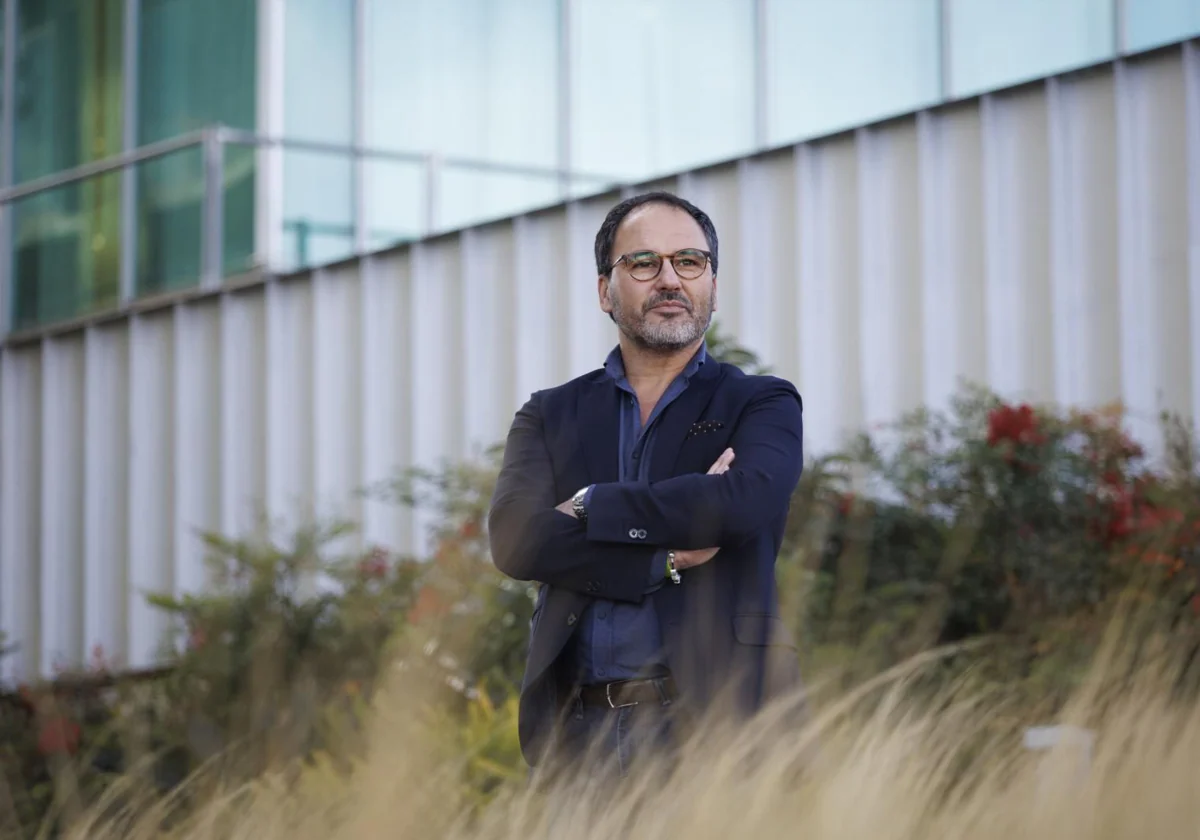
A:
(672, 572)
(577, 504)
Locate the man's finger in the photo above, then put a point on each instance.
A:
(722, 463)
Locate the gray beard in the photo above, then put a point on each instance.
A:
(670, 335)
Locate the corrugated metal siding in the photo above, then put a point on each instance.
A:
(1044, 240)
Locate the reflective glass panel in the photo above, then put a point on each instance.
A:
(68, 111)
(65, 252)
(466, 79)
(1152, 23)
(196, 69)
(995, 43)
(318, 205)
(835, 64)
(659, 86)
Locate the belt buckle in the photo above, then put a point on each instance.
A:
(608, 696)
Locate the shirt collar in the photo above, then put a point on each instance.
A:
(614, 365)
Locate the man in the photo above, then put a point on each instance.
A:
(649, 500)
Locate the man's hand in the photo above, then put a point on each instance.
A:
(700, 556)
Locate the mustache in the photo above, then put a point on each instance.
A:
(668, 297)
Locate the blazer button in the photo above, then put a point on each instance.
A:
(570, 619)
(633, 533)
(641, 533)
(593, 586)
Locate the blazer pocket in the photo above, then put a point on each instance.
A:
(762, 630)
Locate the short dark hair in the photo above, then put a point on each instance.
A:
(607, 234)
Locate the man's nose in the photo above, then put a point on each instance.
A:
(667, 278)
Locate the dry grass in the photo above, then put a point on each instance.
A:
(891, 760)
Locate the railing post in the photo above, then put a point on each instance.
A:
(212, 224)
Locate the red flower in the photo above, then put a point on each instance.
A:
(1019, 425)
(374, 566)
(469, 529)
(845, 503)
(58, 735)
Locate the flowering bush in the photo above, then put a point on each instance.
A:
(996, 520)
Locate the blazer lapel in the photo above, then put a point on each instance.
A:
(679, 417)
(598, 414)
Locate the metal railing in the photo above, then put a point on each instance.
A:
(212, 143)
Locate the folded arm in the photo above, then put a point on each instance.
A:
(696, 511)
(530, 540)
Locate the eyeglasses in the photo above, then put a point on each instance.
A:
(645, 265)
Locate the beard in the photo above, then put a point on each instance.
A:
(666, 335)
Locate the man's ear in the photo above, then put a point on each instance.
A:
(714, 293)
(602, 290)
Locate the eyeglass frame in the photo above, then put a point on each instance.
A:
(663, 259)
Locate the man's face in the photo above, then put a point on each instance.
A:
(667, 312)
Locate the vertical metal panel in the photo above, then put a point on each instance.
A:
(196, 477)
(105, 490)
(337, 364)
(951, 214)
(1083, 227)
(827, 198)
(243, 393)
(388, 400)
(20, 508)
(62, 502)
(889, 271)
(485, 363)
(289, 415)
(431, 335)
(1152, 235)
(536, 291)
(1191, 71)
(1017, 243)
(767, 268)
(151, 461)
(592, 333)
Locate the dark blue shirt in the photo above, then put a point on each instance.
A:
(620, 640)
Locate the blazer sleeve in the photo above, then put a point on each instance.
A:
(701, 511)
(530, 540)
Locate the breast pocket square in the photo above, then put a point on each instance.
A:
(705, 426)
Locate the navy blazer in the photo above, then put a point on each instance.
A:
(721, 626)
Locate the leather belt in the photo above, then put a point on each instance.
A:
(658, 691)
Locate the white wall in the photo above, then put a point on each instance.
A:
(1045, 241)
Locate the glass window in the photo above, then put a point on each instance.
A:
(659, 86)
(1152, 23)
(196, 68)
(474, 79)
(318, 203)
(68, 111)
(994, 43)
(834, 64)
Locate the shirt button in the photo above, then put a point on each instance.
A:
(570, 619)
(602, 614)
(600, 672)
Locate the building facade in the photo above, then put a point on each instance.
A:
(296, 216)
